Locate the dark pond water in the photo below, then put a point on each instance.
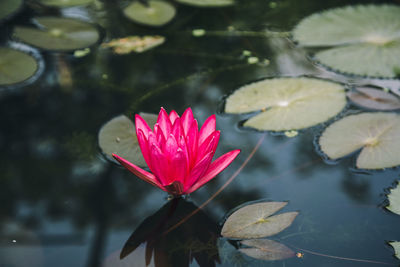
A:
(63, 204)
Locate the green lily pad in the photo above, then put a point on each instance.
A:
(265, 249)
(394, 200)
(376, 134)
(119, 136)
(374, 98)
(396, 247)
(255, 221)
(359, 40)
(65, 3)
(207, 3)
(16, 66)
(288, 103)
(9, 7)
(157, 13)
(59, 34)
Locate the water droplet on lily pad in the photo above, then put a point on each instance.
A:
(255, 221)
(207, 3)
(375, 134)
(65, 3)
(16, 66)
(374, 98)
(396, 247)
(9, 7)
(265, 249)
(287, 103)
(58, 34)
(394, 200)
(157, 13)
(360, 40)
(118, 136)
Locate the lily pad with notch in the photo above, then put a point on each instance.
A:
(9, 7)
(207, 3)
(156, 13)
(64, 3)
(394, 200)
(396, 247)
(287, 103)
(376, 134)
(372, 97)
(266, 249)
(255, 221)
(58, 34)
(118, 136)
(359, 40)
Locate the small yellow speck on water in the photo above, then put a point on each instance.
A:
(252, 60)
(299, 255)
(82, 53)
(246, 53)
(231, 28)
(118, 139)
(386, 90)
(104, 76)
(272, 4)
(265, 62)
(198, 32)
(291, 133)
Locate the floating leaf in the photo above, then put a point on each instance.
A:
(255, 221)
(367, 37)
(374, 99)
(118, 136)
(394, 200)
(134, 44)
(376, 134)
(288, 103)
(207, 3)
(9, 7)
(157, 13)
(16, 66)
(59, 34)
(265, 249)
(65, 3)
(396, 246)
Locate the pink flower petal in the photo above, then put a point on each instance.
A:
(209, 145)
(175, 188)
(159, 165)
(177, 167)
(177, 129)
(164, 123)
(141, 124)
(191, 142)
(187, 119)
(198, 171)
(215, 168)
(142, 174)
(173, 116)
(207, 129)
(143, 144)
(171, 146)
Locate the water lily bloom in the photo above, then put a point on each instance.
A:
(177, 153)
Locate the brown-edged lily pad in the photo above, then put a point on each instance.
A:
(156, 13)
(255, 221)
(265, 249)
(65, 3)
(374, 98)
(135, 44)
(375, 134)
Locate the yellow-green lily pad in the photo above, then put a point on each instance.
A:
(16, 66)
(396, 247)
(58, 34)
(394, 200)
(266, 249)
(207, 3)
(9, 7)
(65, 3)
(359, 40)
(255, 221)
(288, 103)
(119, 136)
(375, 134)
(157, 13)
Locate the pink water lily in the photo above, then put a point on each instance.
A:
(177, 153)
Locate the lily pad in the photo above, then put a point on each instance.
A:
(396, 247)
(16, 66)
(157, 13)
(374, 98)
(265, 249)
(58, 34)
(288, 103)
(394, 200)
(9, 7)
(65, 3)
(207, 3)
(360, 40)
(255, 221)
(375, 134)
(118, 136)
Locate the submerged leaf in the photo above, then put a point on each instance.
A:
(265, 249)
(58, 34)
(255, 221)
(376, 134)
(396, 247)
(65, 3)
(15, 66)
(157, 13)
(8, 7)
(134, 44)
(394, 200)
(207, 3)
(374, 99)
(365, 39)
(288, 103)
(118, 136)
